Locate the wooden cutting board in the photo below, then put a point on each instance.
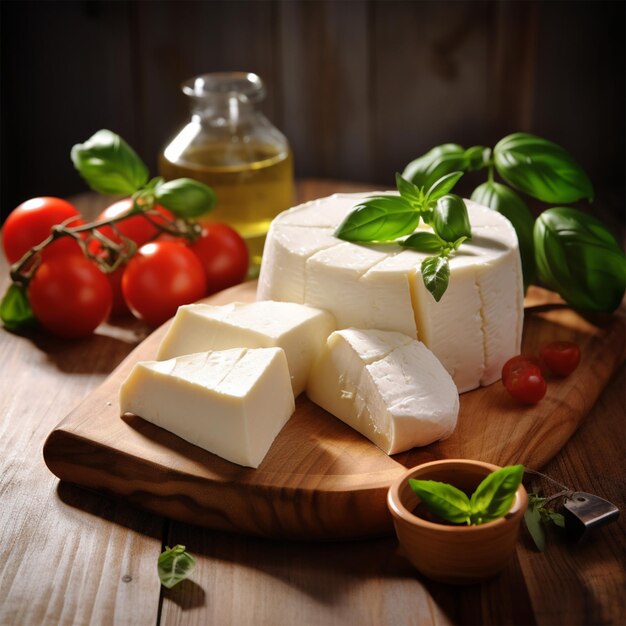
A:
(321, 479)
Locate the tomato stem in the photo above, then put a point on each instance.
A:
(113, 254)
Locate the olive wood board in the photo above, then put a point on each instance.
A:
(321, 479)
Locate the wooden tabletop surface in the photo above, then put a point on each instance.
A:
(70, 556)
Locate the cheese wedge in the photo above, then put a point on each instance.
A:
(299, 330)
(473, 330)
(387, 386)
(232, 403)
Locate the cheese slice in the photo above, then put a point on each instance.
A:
(387, 386)
(473, 330)
(299, 330)
(232, 403)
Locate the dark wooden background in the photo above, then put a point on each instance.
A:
(359, 87)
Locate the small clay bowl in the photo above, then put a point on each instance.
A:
(453, 553)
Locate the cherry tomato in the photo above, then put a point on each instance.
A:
(70, 296)
(561, 357)
(526, 384)
(119, 308)
(30, 223)
(223, 254)
(138, 228)
(159, 278)
(517, 363)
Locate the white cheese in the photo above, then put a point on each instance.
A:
(232, 403)
(299, 330)
(387, 386)
(473, 330)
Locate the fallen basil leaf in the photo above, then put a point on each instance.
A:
(174, 565)
(436, 275)
(443, 186)
(381, 218)
(505, 201)
(15, 311)
(541, 169)
(423, 242)
(430, 167)
(185, 197)
(578, 258)
(450, 220)
(494, 496)
(109, 165)
(445, 501)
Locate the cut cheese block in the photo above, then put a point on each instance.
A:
(232, 403)
(473, 330)
(300, 331)
(387, 386)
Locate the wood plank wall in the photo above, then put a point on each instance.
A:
(359, 87)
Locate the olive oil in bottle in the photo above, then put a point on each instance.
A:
(230, 146)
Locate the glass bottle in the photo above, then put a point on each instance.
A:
(231, 146)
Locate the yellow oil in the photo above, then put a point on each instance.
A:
(252, 182)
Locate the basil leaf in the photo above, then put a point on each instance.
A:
(436, 275)
(541, 169)
(557, 519)
(532, 519)
(381, 218)
(109, 165)
(185, 197)
(477, 157)
(505, 201)
(494, 496)
(450, 220)
(579, 258)
(174, 565)
(438, 162)
(443, 186)
(410, 192)
(445, 501)
(15, 311)
(423, 242)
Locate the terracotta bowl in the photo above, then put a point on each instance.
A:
(454, 554)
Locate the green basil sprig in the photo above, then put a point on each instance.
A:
(185, 197)
(541, 169)
(386, 218)
(174, 565)
(578, 257)
(110, 166)
(581, 262)
(537, 515)
(492, 499)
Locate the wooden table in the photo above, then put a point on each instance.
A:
(70, 556)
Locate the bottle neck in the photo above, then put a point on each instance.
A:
(221, 110)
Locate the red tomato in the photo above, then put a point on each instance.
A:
(223, 254)
(30, 223)
(119, 307)
(526, 384)
(138, 228)
(70, 296)
(561, 357)
(159, 278)
(519, 362)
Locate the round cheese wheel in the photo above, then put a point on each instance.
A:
(473, 330)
